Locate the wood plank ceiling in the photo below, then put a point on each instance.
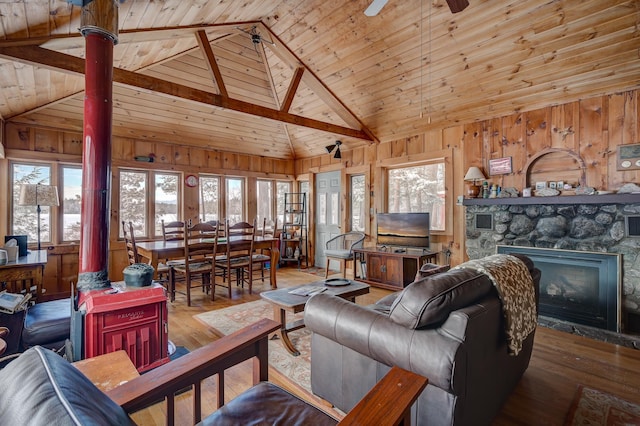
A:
(323, 71)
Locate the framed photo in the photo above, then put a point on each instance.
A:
(552, 185)
(500, 166)
(540, 185)
(628, 157)
(560, 185)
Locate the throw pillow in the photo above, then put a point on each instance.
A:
(429, 269)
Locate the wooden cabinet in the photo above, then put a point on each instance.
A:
(391, 270)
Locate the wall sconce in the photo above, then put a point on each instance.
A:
(474, 174)
(330, 148)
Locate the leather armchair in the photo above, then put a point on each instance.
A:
(463, 349)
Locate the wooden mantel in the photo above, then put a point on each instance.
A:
(562, 199)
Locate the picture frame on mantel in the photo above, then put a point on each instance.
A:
(500, 166)
(628, 157)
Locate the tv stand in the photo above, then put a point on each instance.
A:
(392, 269)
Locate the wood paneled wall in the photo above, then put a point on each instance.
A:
(589, 129)
(36, 143)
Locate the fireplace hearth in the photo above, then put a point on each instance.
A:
(595, 224)
(577, 286)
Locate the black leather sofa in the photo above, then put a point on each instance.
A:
(41, 388)
(462, 351)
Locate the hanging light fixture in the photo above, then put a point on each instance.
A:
(330, 149)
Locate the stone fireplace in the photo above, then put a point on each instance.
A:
(586, 225)
(577, 286)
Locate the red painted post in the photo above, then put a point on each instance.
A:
(96, 153)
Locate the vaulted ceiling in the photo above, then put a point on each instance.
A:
(189, 72)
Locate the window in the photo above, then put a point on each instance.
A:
(235, 200)
(209, 198)
(167, 198)
(264, 196)
(61, 224)
(133, 200)
(24, 218)
(303, 187)
(71, 194)
(418, 189)
(146, 207)
(357, 203)
(282, 188)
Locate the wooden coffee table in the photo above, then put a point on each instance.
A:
(284, 301)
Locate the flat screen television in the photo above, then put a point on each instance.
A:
(403, 229)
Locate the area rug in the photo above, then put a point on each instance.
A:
(296, 368)
(591, 407)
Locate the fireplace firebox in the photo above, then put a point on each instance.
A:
(577, 286)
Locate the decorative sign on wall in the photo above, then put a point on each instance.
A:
(500, 166)
(628, 157)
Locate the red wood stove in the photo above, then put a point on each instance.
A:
(129, 318)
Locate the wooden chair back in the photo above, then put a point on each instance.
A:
(239, 238)
(269, 227)
(130, 242)
(219, 224)
(195, 250)
(173, 231)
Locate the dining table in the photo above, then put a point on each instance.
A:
(160, 249)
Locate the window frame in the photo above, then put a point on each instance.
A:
(346, 187)
(157, 227)
(221, 196)
(350, 213)
(243, 194)
(52, 179)
(442, 156)
(61, 194)
(149, 231)
(272, 205)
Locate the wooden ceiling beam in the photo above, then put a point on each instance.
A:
(293, 88)
(210, 59)
(38, 56)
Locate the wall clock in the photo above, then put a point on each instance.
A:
(628, 157)
(191, 180)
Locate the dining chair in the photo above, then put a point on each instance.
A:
(172, 231)
(197, 261)
(130, 242)
(238, 257)
(134, 257)
(219, 224)
(260, 259)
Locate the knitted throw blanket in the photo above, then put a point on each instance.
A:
(511, 278)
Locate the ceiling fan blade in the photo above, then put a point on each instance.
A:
(457, 5)
(375, 7)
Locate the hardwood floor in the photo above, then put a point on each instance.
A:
(559, 363)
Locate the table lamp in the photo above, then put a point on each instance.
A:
(474, 174)
(38, 195)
